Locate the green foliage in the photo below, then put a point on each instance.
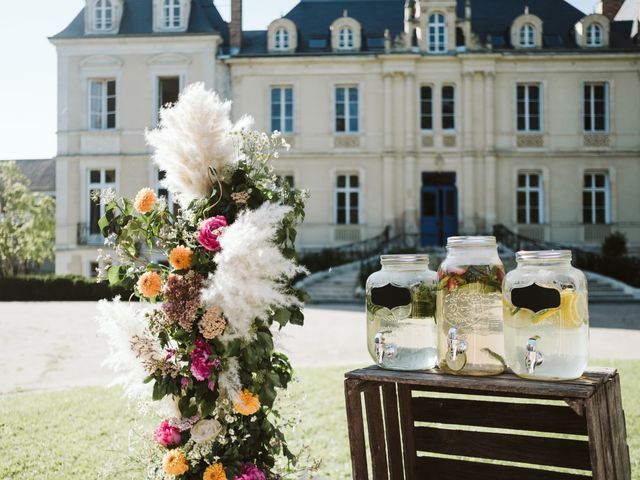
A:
(27, 223)
(52, 288)
(615, 245)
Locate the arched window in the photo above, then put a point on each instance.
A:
(527, 36)
(103, 15)
(345, 39)
(171, 14)
(594, 35)
(281, 39)
(437, 33)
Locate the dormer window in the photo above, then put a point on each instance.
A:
(345, 39)
(437, 34)
(103, 20)
(171, 14)
(594, 35)
(527, 36)
(281, 41)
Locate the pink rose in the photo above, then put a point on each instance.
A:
(210, 230)
(250, 472)
(167, 435)
(201, 363)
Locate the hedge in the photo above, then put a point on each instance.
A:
(41, 288)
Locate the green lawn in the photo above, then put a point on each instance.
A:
(74, 434)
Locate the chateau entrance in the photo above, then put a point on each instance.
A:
(438, 207)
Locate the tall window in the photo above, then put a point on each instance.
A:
(282, 109)
(595, 198)
(281, 39)
(102, 104)
(437, 33)
(347, 199)
(448, 107)
(103, 15)
(168, 92)
(594, 35)
(596, 107)
(529, 198)
(426, 108)
(529, 112)
(527, 36)
(98, 181)
(347, 116)
(345, 39)
(171, 13)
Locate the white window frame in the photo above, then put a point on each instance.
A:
(527, 189)
(103, 15)
(93, 238)
(346, 40)
(437, 33)
(282, 39)
(348, 114)
(592, 189)
(527, 102)
(348, 190)
(283, 108)
(527, 35)
(591, 101)
(432, 102)
(455, 107)
(593, 39)
(103, 113)
(171, 20)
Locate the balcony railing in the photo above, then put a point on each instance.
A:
(86, 237)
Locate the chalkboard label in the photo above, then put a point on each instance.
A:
(535, 298)
(390, 296)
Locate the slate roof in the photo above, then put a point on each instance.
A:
(137, 20)
(41, 173)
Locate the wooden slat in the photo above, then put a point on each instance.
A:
(406, 427)
(392, 430)
(375, 426)
(552, 452)
(600, 450)
(583, 387)
(356, 429)
(518, 416)
(617, 430)
(449, 469)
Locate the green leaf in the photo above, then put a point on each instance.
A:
(113, 275)
(103, 224)
(282, 316)
(297, 318)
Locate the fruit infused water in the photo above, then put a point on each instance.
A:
(469, 308)
(546, 318)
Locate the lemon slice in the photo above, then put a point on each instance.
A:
(568, 314)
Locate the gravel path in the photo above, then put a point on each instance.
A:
(53, 345)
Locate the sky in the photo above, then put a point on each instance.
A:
(28, 86)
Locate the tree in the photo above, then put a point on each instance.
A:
(27, 223)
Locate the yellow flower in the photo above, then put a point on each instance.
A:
(248, 404)
(175, 463)
(180, 257)
(145, 200)
(150, 284)
(214, 472)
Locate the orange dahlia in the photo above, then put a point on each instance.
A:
(150, 284)
(214, 472)
(145, 200)
(175, 463)
(249, 403)
(180, 257)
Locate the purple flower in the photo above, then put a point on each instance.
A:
(210, 230)
(201, 364)
(182, 299)
(250, 472)
(211, 385)
(184, 382)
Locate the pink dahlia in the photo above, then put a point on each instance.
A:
(201, 363)
(210, 230)
(250, 472)
(167, 435)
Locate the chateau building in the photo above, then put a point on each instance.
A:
(432, 117)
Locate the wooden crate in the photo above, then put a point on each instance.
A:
(427, 425)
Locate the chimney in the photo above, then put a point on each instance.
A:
(235, 27)
(609, 8)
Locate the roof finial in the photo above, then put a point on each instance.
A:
(526, 9)
(345, 13)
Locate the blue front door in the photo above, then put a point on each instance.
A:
(439, 214)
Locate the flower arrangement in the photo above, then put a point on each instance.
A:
(217, 280)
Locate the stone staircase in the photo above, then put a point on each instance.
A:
(606, 290)
(336, 285)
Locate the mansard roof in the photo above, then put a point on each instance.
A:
(137, 20)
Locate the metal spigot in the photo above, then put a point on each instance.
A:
(456, 345)
(383, 349)
(532, 357)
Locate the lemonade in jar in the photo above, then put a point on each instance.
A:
(546, 318)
